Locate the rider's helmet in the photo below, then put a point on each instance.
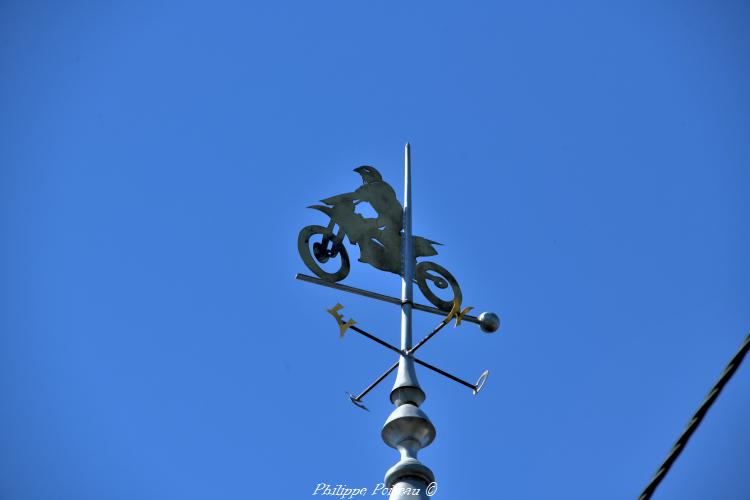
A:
(369, 174)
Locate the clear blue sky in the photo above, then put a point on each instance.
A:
(587, 167)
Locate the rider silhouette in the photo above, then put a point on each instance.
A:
(379, 239)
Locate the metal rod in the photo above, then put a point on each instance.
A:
(379, 341)
(373, 337)
(444, 373)
(377, 381)
(378, 296)
(407, 245)
(346, 288)
(428, 337)
(408, 355)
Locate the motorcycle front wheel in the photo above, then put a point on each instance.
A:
(322, 251)
(442, 279)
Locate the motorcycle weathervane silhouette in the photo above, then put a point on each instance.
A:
(379, 239)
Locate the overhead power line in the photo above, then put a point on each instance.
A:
(679, 445)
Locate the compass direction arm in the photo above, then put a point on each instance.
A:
(375, 339)
(428, 336)
(454, 313)
(410, 353)
(358, 399)
(474, 387)
(394, 348)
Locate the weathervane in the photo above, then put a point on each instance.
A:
(386, 243)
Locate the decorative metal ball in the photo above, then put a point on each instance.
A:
(489, 322)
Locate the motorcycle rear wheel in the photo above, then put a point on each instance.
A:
(313, 261)
(443, 277)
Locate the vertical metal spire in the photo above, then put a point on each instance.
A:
(407, 428)
(407, 288)
(407, 389)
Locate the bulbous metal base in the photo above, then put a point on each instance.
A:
(409, 468)
(408, 430)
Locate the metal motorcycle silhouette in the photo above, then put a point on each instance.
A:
(379, 239)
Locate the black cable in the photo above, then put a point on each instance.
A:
(696, 420)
